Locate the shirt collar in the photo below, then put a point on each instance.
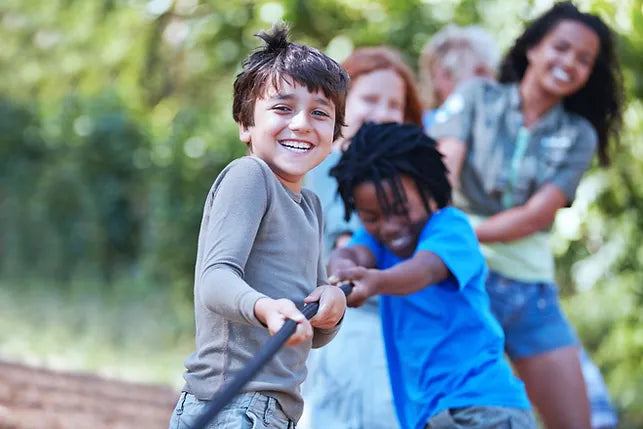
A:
(549, 121)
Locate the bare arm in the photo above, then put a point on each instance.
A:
(522, 221)
(345, 257)
(454, 151)
(423, 269)
(517, 222)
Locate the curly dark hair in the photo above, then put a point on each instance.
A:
(383, 152)
(280, 60)
(600, 101)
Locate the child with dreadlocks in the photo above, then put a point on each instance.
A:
(259, 253)
(444, 348)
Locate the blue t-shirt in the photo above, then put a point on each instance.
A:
(443, 346)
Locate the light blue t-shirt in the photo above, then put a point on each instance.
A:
(320, 182)
(428, 119)
(443, 346)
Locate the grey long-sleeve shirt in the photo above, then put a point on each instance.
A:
(257, 239)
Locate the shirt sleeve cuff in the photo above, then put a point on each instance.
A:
(247, 303)
(321, 337)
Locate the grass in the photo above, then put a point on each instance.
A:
(131, 332)
(124, 333)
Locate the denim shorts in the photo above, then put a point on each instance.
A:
(530, 315)
(482, 418)
(246, 411)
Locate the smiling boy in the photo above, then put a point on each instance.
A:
(259, 254)
(444, 348)
(295, 128)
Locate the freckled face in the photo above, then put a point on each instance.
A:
(564, 59)
(292, 131)
(399, 231)
(378, 96)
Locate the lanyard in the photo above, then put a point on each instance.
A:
(520, 147)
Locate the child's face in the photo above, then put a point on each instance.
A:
(442, 81)
(378, 96)
(399, 232)
(292, 131)
(563, 60)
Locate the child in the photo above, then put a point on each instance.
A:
(382, 89)
(516, 151)
(444, 348)
(260, 245)
(453, 55)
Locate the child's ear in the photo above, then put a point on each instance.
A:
(244, 134)
(530, 54)
(433, 205)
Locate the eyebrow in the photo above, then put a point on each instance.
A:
(584, 52)
(288, 96)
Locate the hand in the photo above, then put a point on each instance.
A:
(342, 240)
(332, 305)
(274, 312)
(338, 264)
(364, 281)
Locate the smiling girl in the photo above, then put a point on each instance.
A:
(516, 152)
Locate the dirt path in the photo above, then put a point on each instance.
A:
(34, 398)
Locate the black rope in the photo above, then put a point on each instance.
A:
(220, 400)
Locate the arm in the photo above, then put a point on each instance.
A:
(522, 221)
(454, 152)
(239, 302)
(332, 301)
(539, 211)
(453, 126)
(346, 257)
(512, 224)
(424, 268)
(232, 217)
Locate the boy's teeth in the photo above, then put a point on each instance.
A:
(297, 145)
(560, 74)
(398, 241)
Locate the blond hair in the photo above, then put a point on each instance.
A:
(461, 51)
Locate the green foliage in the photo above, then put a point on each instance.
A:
(603, 261)
(115, 119)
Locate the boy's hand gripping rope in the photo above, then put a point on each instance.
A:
(220, 400)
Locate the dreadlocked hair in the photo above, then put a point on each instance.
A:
(381, 153)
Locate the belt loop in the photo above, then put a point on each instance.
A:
(249, 400)
(268, 410)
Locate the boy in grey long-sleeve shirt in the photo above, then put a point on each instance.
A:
(260, 244)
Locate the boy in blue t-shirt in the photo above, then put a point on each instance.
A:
(444, 347)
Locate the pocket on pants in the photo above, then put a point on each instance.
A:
(253, 421)
(188, 411)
